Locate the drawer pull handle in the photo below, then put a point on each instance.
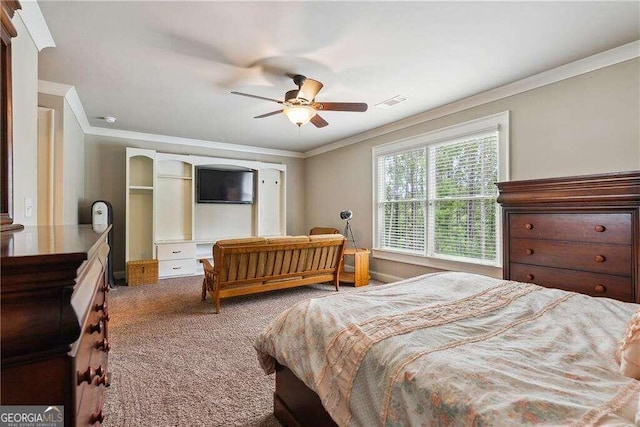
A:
(98, 417)
(95, 328)
(176, 252)
(90, 374)
(103, 380)
(530, 277)
(599, 228)
(529, 251)
(599, 258)
(103, 345)
(105, 317)
(528, 226)
(176, 268)
(101, 307)
(599, 289)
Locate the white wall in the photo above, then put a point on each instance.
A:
(69, 160)
(73, 175)
(584, 125)
(104, 179)
(24, 58)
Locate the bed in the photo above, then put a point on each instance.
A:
(451, 349)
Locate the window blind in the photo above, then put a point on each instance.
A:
(402, 201)
(462, 198)
(439, 200)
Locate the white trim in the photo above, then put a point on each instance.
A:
(53, 88)
(496, 122)
(492, 123)
(70, 94)
(441, 264)
(384, 278)
(78, 110)
(36, 25)
(165, 139)
(563, 72)
(573, 69)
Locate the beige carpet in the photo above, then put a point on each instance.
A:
(176, 363)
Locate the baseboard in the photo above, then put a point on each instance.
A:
(385, 278)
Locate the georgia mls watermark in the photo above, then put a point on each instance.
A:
(31, 416)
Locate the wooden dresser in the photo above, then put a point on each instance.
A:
(579, 234)
(54, 320)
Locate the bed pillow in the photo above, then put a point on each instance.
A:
(629, 351)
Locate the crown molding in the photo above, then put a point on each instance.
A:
(582, 66)
(165, 139)
(592, 63)
(70, 95)
(36, 25)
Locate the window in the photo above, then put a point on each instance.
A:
(436, 193)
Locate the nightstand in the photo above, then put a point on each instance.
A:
(360, 275)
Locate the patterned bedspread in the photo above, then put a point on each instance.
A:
(458, 349)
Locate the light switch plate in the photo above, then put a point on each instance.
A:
(28, 207)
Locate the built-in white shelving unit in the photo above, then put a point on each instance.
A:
(139, 201)
(165, 222)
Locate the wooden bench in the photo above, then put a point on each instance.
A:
(258, 264)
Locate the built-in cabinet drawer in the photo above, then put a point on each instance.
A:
(176, 259)
(176, 251)
(594, 284)
(176, 267)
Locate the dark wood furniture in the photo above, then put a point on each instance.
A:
(54, 320)
(579, 234)
(295, 404)
(7, 10)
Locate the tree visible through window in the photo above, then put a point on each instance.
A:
(462, 205)
(439, 199)
(403, 202)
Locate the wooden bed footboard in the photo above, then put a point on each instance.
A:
(295, 404)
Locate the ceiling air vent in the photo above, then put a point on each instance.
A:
(392, 102)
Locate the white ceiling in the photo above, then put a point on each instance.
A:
(167, 67)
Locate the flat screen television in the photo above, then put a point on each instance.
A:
(224, 186)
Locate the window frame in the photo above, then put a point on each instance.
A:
(496, 122)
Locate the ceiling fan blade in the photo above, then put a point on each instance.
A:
(318, 121)
(340, 106)
(273, 113)
(256, 96)
(309, 89)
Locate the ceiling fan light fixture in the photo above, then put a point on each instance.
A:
(299, 114)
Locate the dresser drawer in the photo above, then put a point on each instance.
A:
(176, 251)
(598, 258)
(594, 284)
(177, 267)
(90, 411)
(582, 227)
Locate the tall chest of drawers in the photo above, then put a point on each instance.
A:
(54, 320)
(579, 234)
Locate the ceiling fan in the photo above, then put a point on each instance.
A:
(300, 107)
